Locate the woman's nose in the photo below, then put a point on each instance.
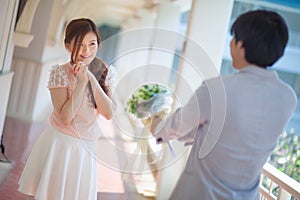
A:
(85, 49)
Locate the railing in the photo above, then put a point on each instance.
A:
(275, 185)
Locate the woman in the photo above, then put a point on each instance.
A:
(62, 164)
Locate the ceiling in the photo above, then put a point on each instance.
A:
(116, 12)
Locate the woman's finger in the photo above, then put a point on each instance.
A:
(75, 68)
(78, 66)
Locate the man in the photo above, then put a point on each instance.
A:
(258, 107)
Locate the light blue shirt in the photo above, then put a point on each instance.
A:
(258, 106)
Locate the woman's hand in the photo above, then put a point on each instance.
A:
(90, 75)
(80, 70)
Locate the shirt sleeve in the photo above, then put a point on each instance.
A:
(57, 78)
(184, 123)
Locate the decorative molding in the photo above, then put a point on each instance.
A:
(25, 21)
(22, 36)
(56, 26)
(22, 39)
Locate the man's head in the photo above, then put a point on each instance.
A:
(262, 34)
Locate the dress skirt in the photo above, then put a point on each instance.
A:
(60, 167)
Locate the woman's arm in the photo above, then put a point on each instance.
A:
(66, 107)
(103, 101)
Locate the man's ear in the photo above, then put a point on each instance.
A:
(241, 47)
(240, 44)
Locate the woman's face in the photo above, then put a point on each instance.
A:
(87, 49)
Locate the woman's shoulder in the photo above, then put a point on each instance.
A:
(59, 67)
(58, 76)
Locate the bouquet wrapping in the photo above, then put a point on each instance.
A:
(149, 101)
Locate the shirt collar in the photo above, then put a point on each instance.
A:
(258, 71)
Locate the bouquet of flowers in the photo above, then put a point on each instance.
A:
(148, 101)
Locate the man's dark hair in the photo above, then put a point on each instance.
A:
(264, 35)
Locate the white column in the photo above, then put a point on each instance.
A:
(8, 13)
(206, 40)
(165, 16)
(129, 55)
(29, 98)
(164, 40)
(207, 29)
(209, 24)
(5, 84)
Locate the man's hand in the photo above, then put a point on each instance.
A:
(156, 120)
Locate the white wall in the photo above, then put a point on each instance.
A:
(8, 17)
(30, 99)
(208, 25)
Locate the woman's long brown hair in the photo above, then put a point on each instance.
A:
(76, 30)
(99, 69)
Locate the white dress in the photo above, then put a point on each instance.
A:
(60, 167)
(63, 161)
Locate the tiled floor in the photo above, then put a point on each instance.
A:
(19, 137)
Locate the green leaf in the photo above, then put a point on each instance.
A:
(133, 108)
(281, 169)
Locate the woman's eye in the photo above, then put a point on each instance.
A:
(77, 46)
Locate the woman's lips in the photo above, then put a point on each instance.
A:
(85, 57)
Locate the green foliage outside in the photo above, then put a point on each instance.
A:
(286, 158)
(286, 155)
